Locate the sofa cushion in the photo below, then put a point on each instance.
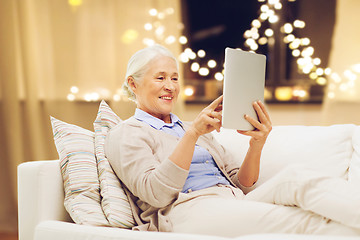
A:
(114, 201)
(75, 147)
(354, 169)
(327, 149)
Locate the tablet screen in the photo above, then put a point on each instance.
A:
(244, 83)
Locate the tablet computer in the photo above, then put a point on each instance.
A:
(244, 83)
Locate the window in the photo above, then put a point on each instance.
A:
(214, 25)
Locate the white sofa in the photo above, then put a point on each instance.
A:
(333, 149)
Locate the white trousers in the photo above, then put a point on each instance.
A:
(298, 202)
(331, 197)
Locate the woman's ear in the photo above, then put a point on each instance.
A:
(132, 84)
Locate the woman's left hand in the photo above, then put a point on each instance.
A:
(263, 126)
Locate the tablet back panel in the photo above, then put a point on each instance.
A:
(244, 82)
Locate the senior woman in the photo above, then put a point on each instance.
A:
(178, 178)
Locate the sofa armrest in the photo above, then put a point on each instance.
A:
(57, 230)
(40, 195)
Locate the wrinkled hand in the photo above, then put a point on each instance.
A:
(209, 118)
(262, 126)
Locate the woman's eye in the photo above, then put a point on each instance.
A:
(160, 78)
(174, 79)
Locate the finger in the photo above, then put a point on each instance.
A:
(260, 113)
(216, 115)
(253, 134)
(215, 103)
(263, 107)
(213, 122)
(256, 124)
(219, 108)
(244, 132)
(248, 133)
(211, 126)
(217, 126)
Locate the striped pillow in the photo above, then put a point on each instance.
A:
(75, 146)
(114, 201)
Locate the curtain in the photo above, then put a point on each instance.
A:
(342, 100)
(60, 58)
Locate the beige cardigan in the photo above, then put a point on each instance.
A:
(139, 155)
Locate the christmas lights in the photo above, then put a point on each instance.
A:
(300, 49)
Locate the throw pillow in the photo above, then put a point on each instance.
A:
(75, 146)
(324, 148)
(327, 149)
(114, 201)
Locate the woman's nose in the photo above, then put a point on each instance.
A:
(169, 85)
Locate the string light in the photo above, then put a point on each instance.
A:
(183, 40)
(327, 71)
(74, 89)
(321, 81)
(300, 47)
(148, 26)
(204, 71)
(92, 97)
(296, 52)
(212, 63)
(201, 53)
(273, 19)
(278, 6)
(195, 67)
(269, 32)
(129, 36)
(299, 24)
(189, 91)
(355, 67)
(170, 39)
(116, 97)
(256, 23)
(319, 71)
(153, 12)
(183, 57)
(343, 86)
(301, 50)
(219, 76)
(169, 11)
(70, 97)
(148, 42)
(75, 3)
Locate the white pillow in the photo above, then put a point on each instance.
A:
(327, 149)
(114, 201)
(354, 169)
(75, 146)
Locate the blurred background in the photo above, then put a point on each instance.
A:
(62, 57)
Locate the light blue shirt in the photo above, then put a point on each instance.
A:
(203, 172)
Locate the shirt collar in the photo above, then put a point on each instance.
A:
(154, 121)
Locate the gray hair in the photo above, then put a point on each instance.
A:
(138, 66)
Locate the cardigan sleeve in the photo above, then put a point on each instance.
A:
(232, 167)
(230, 163)
(131, 153)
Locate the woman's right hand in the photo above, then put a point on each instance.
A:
(209, 118)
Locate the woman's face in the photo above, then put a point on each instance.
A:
(157, 93)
